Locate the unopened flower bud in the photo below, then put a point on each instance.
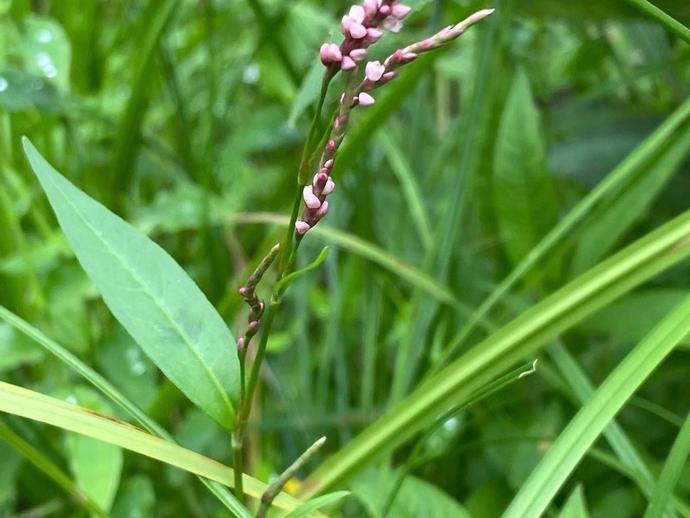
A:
(385, 10)
(323, 210)
(400, 11)
(330, 54)
(389, 76)
(310, 199)
(358, 54)
(240, 343)
(328, 188)
(243, 291)
(357, 13)
(357, 31)
(253, 326)
(348, 63)
(331, 146)
(319, 182)
(329, 164)
(365, 99)
(373, 35)
(374, 70)
(371, 8)
(302, 227)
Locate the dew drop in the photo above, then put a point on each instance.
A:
(44, 36)
(71, 399)
(3, 84)
(138, 368)
(46, 64)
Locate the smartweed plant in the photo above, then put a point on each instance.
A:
(536, 276)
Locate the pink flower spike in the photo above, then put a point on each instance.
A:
(374, 35)
(328, 188)
(348, 63)
(330, 53)
(365, 99)
(400, 11)
(310, 199)
(357, 13)
(374, 70)
(371, 8)
(358, 54)
(302, 227)
(357, 31)
(323, 210)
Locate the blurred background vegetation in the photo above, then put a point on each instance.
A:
(187, 117)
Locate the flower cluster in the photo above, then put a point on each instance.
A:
(361, 29)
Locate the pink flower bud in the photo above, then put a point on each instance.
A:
(373, 35)
(323, 210)
(357, 13)
(385, 10)
(371, 8)
(302, 227)
(374, 70)
(389, 76)
(328, 188)
(253, 326)
(319, 182)
(331, 146)
(400, 11)
(310, 199)
(240, 343)
(357, 30)
(358, 54)
(348, 63)
(243, 291)
(340, 121)
(410, 56)
(330, 53)
(365, 99)
(329, 164)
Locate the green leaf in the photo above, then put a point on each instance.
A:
(670, 474)
(99, 480)
(32, 405)
(524, 198)
(516, 340)
(308, 508)
(150, 295)
(572, 444)
(575, 506)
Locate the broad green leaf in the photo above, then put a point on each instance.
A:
(524, 198)
(515, 341)
(671, 473)
(99, 480)
(308, 508)
(572, 444)
(150, 295)
(32, 405)
(614, 220)
(575, 506)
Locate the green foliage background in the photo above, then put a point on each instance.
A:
(187, 118)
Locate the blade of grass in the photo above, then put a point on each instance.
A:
(32, 405)
(615, 435)
(664, 19)
(516, 340)
(670, 474)
(49, 469)
(113, 394)
(572, 444)
(155, 18)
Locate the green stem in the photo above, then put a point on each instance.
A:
(660, 16)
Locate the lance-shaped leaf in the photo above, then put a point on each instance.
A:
(150, 295)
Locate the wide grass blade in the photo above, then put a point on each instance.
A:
(518, 339)
(670, 474)
(150, 295)
(32, 405)
(572, 444)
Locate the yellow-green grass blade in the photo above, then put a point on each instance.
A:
(32, 405)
